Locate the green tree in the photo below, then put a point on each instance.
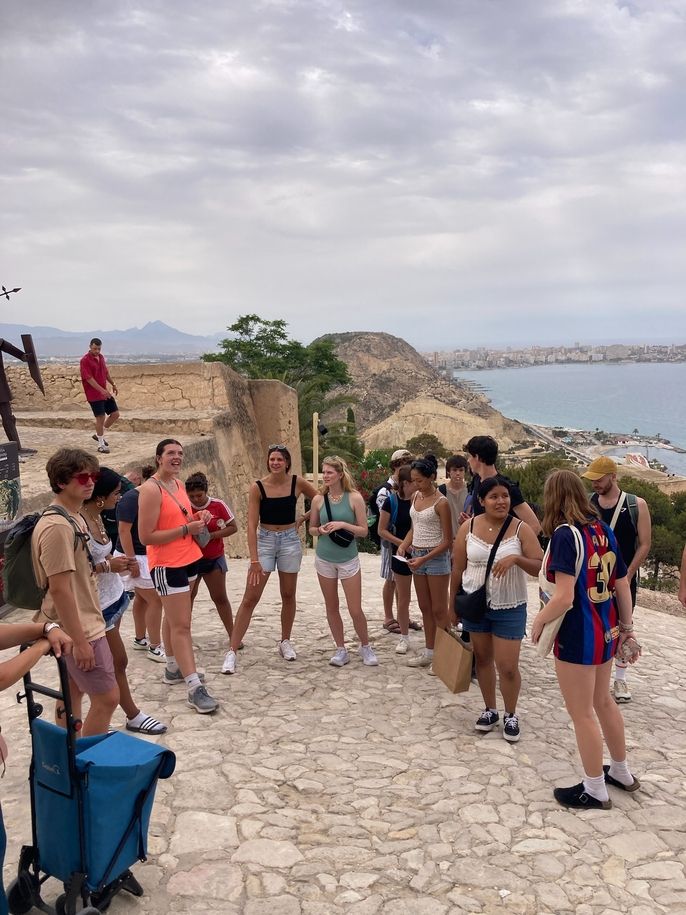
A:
(532, 476)
(427, 441)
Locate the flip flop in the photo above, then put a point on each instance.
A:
(149, 725)
(392, 626)
(616, 784)
(417, 627)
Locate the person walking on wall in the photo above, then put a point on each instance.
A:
(95, 376)
(628, 516)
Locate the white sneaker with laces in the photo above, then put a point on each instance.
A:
(340, 658)
(229, 665)
(287, 651)
(156, 653)
(403, 645)
(420, 660)
(366, 652)
(621, 691)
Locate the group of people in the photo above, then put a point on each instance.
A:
(170, 535)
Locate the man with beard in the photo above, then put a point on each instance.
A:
(629, 517)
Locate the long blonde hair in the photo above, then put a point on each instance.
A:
(565, 501)
(340, 466)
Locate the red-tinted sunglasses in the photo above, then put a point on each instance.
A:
(83, 479)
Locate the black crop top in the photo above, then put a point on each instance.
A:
(280, 510)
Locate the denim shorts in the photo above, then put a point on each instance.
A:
(115, 611)
(505, 624)
(279, 550)
(439, 565)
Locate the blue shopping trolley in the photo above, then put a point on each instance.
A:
(91, 799)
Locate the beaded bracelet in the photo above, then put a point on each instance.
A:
(626, 627)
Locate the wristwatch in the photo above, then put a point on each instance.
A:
(49, 627)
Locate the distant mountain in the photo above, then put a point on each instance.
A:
(153, 339)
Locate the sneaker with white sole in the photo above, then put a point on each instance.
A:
(621, 691)
(95, 439)
(368, 656)
(229, 665)
(141, 644)
(340, 658)
(103, 449)
(156, 653)
(487, 720)
(403, 645)
(201, 701)
(287, 651)
(420, 660)
(171, 678)
(511, 728)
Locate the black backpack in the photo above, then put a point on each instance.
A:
(21, 589)
(373, 513)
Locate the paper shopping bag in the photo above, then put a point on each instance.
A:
(452, 661)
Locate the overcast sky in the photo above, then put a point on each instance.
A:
(453, 171)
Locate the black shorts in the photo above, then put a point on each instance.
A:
(205, 566)
(400, 568)
(102, 407)
(174, 579)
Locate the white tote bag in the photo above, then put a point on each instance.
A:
(546, 589)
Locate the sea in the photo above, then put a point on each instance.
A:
(615, 397)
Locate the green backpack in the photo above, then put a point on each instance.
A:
(21, 589)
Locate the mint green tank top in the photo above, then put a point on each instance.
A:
(341, 511)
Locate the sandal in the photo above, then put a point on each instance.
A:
(414, 625)
(149, 725)
(616, 784)
(392, 626)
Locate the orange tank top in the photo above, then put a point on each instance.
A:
(181, 552)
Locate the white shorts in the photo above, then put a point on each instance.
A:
(142, 580)
(340, 570)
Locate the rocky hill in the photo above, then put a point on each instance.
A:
(399, 395)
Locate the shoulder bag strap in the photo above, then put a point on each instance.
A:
(163, 489)
(618, 507)
(494, 548)
(80, 536)
(328, 506)
(578, 545)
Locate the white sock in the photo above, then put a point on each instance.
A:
(596, 787)
(138, 720)
(620, 772)
(192, 681)
(101, 440)
(172, 666)
(620, 670)
(429, 652)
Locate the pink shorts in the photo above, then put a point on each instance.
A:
(99, 680)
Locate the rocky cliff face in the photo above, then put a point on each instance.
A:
(400, 395)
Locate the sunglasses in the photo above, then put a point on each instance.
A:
(83, 479)
(277, 448)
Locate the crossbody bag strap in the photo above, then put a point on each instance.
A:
(328, 506)
(494, 548)
(618, 507)
(171, 495)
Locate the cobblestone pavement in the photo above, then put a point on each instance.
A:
(366, 790)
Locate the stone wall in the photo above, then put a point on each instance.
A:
(242, 417)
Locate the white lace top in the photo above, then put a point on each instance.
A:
(503, 593)
(110, 585)
(427, 531)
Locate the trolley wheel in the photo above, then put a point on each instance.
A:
(21, 894)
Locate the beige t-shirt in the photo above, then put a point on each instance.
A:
(52, 551)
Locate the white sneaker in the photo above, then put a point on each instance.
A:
(141, 644)
(229, 665)
(621, 691)
(403, 645)
(287, 651)
(340, 658)
(420, 660)
(156, 653)
(103, 449)
(366, 652)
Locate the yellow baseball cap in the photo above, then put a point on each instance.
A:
(600, 468)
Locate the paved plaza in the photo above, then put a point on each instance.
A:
(365, 790)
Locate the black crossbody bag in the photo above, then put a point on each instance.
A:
(472, 607)
(340, 538)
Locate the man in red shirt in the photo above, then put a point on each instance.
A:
(95, 377)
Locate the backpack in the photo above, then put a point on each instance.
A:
(373, 513)
(631, 502)
(393, 496)
(21, 588)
